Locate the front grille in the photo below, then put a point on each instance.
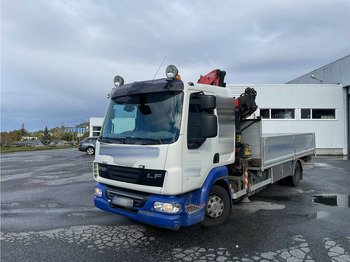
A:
(130, 175)
(141, 176)
(138, 198)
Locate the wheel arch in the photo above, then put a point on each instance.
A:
(217, 176)
(224, 183)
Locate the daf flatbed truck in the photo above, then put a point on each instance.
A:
(174, 153)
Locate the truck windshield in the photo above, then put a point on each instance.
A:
(146, 119)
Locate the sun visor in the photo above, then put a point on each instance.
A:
(144, 87)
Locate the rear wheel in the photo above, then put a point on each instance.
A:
(218, 207)
(295, 178)
(90, 151)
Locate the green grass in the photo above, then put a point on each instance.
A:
(5, 150)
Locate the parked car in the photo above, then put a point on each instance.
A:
(88, 145)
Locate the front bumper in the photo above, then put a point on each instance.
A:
(148, 215)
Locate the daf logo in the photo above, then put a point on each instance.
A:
(153, 176)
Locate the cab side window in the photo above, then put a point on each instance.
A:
(194, 128)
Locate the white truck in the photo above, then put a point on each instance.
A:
(174, 153)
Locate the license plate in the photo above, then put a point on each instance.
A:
(123, 201)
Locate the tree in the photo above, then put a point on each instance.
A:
(68, 136)
(86, 134)
(46, 139)
(38, 134)
(55, 133)
(24, 132)
(8, 138)
(4, 138)
(62, 131)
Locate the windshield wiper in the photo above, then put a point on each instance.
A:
(154, 140)
(112, 140)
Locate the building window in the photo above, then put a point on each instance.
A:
(317, 113)
(265, 113)
(323, 113)
(277, 113)
(305, 113)
(96, 130)
(282, 114)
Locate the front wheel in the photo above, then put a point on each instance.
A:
(218, 207)
(90, 151)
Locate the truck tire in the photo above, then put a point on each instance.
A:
(218, 207)
(90, 151)
(295, 178)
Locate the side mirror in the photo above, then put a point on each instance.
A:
(145, 110)
(209, 126)
(208, 102)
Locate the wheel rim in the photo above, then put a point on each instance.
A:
(215, 206)
(90, 151)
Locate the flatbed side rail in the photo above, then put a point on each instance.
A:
(278, 149)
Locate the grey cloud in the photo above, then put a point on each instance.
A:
(59, 57)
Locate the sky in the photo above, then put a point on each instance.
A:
(59, 57)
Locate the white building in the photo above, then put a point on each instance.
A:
(296, 108)
(95, 126)
(337, 72)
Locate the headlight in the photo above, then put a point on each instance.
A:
(167, 207)
(171, 72)
(118, 81)
(98, 191)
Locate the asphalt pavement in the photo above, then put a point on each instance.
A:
(47, 214)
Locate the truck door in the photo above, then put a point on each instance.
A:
(198, 151)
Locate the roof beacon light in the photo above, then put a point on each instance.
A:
(171, 72)
(118, 81)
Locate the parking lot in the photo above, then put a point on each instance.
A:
(47, 214)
